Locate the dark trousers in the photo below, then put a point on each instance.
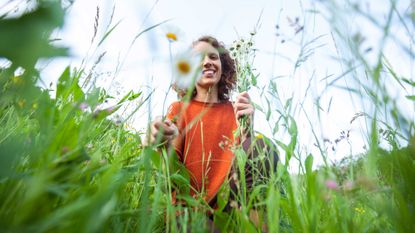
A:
(261, 163)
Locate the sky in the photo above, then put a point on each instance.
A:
(285, 31)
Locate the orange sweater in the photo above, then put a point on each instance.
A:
(204, 141)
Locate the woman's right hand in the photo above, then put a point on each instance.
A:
(162, 131)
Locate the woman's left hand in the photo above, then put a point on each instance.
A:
(244, 107)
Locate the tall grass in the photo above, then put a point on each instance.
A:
(66, 165)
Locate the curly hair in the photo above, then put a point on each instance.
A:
(227, 81)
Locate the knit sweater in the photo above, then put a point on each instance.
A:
(204, 142)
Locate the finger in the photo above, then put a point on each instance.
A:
(168, 122)
(244, 95)
(244, 112)
(157, 124)
(153, 139)
(242, 106)
(169, 131)
(160, 137)
(243, 99)
(156, 134)
(158, 131)
(166, 126)
(154, 127)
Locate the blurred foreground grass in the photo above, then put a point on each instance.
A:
(67, 166)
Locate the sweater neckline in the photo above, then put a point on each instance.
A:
(201, 103)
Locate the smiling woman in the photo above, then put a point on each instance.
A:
(205, 129)
(207, 121)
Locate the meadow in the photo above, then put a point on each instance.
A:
(67, 164)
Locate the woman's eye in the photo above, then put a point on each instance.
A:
(213, 56)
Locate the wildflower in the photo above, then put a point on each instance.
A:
(173, 33)
(21, 103)
(259, 136)
(111, 109)
(186, 67)
(183, 67)
(171, 36)
(83, 106)
(332, 184)
(348, 185)
(17, 80)
(233, 204)
(359, 210)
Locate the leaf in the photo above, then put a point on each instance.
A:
(258, 107)
(11, 150)
(134, 96)
(182, 183)
(288, 103)
(108, 33)
(222, 221)
(25, 39)
(62, 82)
(410, 97)
(156, 159)
(129, 96)
(268, 114)
(410, 82)
(68, 87)
(149, 28)
(309, 163)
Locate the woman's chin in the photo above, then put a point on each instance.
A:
(206, 83)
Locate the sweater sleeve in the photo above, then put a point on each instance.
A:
(174, 115)
(173, 112)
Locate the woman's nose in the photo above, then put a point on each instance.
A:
(207, 62)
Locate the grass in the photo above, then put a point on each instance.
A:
(67, 166)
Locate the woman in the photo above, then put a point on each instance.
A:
(206, 124)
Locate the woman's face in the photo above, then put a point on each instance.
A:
(211, 69)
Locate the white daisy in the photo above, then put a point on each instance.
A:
(187, 69)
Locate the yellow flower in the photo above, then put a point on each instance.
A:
(259, 136)
(21, 103)
(171, 36)
(17, 80)
(360, 210)
(173, 33)
(129, 138)
(183, 67)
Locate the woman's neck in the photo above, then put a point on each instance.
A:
(207, 95)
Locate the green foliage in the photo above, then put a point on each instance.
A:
(67, 167)
(25, 39)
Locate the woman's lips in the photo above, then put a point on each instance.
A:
(208, 72)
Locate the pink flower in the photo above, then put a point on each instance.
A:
(83, 106)
(332, 184)
(348, 185)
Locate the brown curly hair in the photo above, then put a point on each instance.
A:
(227, 81)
